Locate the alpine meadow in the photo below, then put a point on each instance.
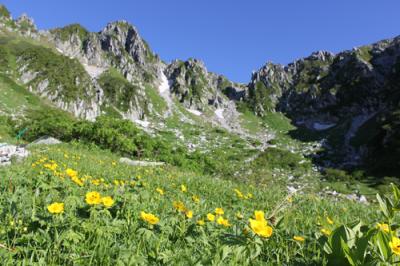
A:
(110, 155)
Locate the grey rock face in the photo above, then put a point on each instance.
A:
(7, 152)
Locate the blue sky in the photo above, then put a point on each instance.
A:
(232, 37)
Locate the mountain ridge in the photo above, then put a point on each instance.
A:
(334, 95)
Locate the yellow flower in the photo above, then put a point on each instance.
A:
(260, 227)
(189, 214)
(200, 222)
(149, 218)
(196, 199)
(56, 208)
(259, 215)
(384, 227)
(179, 206)
(107, 201)
(71, 173)
(329, 220)
(183, 188)
(298, 238)
(96, 182)
(239, 215)
(210, 217)
(290, 199)
(238, 193)
(395, 245)
(77, 180)
(325, 231)
(93, 198)
(50, 166)
(223, 221)
(219, 211)
(160, 191)
(114, 163)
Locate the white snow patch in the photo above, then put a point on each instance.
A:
(164, 90)
(219, 113)
(164, 86)
(142, 123)
(93, 71)
(195, 112)
(321, 126)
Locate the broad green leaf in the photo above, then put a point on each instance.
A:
(383, 204)
(382, 241)
(347, 252)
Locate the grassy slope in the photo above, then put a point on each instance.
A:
(84, 235)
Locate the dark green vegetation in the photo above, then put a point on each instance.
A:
(67, 79)
(73, 29)
(118, 91)
(117, 135)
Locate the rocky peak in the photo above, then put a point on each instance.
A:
(196, 87)
(271, 75)
(120, 37)
(321, 56)
(26, 21)
(4, 13)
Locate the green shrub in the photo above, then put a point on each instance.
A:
(117, 135)
(331, 174)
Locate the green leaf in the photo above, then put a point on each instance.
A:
(396, 192)
(382, 242)
(384, 206)
(347, 252)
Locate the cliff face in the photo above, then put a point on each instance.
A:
(340, 96)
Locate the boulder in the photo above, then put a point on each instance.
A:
(46, 141)
(140, 163)
(7, 152)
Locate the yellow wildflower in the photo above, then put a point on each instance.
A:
(179, 206)
(384, 227)
(223, 221)
(329, 220)
(259, 215)
(260, 227)
(200, 222)
(93, 198)
(77, 180)
(149, 218)
(299, 238)
(160, 191)
(395, 245)
(50, 166)
(189, 214)
(210, 217)
(219, 211)
(107, 201)
(56, 208)
(71, 173)
(239, 215)
(183, 188)
(238, 193)
(96, 182)
(326, 232)
(196, 199)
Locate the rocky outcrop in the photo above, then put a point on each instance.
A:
(7, 152)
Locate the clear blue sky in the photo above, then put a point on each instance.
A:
(232, 37)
